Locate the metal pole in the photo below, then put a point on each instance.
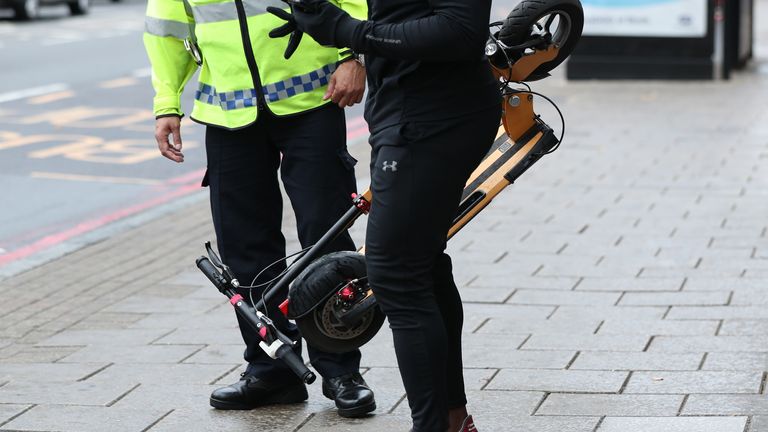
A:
(718, 54)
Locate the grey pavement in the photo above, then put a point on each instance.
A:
(620, 286)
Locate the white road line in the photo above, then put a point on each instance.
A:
(142, 73)
(96, 179)
(35, 91)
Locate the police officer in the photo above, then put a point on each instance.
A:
(433, 108)
(264, 113)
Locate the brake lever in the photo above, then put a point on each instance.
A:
(225, 270)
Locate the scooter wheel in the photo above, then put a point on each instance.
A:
(558, 21)
(320, 327)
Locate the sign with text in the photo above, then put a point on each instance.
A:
(645, 18)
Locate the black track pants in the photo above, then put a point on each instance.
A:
(418, 171)
(246, 203)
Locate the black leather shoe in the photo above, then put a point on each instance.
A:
(251, 392)
(352, 395)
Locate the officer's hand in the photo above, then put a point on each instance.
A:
(165, 127)
(347, 84)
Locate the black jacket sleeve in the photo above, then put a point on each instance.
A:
(457, 30)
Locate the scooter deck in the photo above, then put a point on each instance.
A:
(505, 162)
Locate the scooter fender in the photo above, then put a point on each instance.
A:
(321, 279)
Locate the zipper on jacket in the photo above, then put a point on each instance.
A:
(250, 59)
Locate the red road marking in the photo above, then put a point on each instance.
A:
(188, 183)
(356, 128)
(98, 222)
(356, 122)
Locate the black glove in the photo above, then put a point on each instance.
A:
(326, 23)
(288, 28)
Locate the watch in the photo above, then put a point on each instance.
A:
(360, 58)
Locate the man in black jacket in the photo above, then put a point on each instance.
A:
(433, 109)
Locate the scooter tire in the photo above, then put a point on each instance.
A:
(518, 27)
(319, 327)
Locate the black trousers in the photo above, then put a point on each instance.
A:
(418, 172)
(246, 204)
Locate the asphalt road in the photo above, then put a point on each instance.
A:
(77, 152)
(76, 146)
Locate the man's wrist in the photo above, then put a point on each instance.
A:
(158, 117)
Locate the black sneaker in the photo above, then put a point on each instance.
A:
(252, 392)
(351, 394)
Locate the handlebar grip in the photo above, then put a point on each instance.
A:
(296, 364)
(205, 266)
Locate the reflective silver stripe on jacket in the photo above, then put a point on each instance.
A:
(257, 7)
(163, 28)
(217, 12)
(272, 92)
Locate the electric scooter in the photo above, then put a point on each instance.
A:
(328, 294)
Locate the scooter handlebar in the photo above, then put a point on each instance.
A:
(296, 364)
(284, 352)
(213, 274)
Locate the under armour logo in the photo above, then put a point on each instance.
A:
(386, 165)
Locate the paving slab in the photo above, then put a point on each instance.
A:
(757, 343)
(539, 424)
(277, 419)
(331, 422)
(11, 411)
(131, 354)
(720, 284)
(673, 424)
(105, 337)
(168, 374)
(514, 325)
(759, 424)
(718, 312)
(744, 328)
(631, 284)
(558, 380)
(636, 361)
(613, 405)
(579, 342)
(56, 393)
(221, 318)
(703, 404)
(743, 361)
(534, 297)
(517, 359)
(659, 327)
(84, 419)
(55, 372)
(215, 354)
(28, 353)
(154, 304)
(750, 296)
(207, 336)
(675, 299)
(610, 312)
(682, 382)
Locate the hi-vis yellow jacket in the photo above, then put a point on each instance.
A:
(243, 69)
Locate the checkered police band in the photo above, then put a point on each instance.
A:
(272, 92)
